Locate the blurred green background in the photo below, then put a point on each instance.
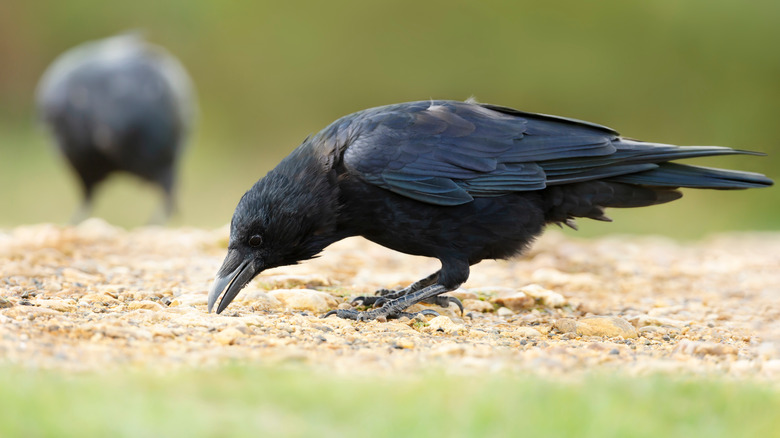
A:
(698, 72)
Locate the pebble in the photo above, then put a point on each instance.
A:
(4, 303)
(565, 325)
(259, 300)
(609, 326)
(102, 298)
(545, 297)
(145, 305)
(305, 299)
(404, 343)
(503, 312)
(648, 320)
(700, 348)
(191, 299)
(228, 336)
(68, 305)
(73, 274)
(463, 294)
(651, 331)
(472, 305)
(527, 332)
(713, 300)
(443, 324)
(516, 301)
(291, 281)
(30, 312)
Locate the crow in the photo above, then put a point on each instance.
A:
(458, 181)
(118, 104)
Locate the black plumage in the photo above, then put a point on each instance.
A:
(458, 181)
(118, 104)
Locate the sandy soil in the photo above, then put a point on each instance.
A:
(94, 297)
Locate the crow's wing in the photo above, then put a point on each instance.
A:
(445, 152)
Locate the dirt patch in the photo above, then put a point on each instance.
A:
(94, 296)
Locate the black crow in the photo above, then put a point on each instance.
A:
(118, 104)
(458, 181)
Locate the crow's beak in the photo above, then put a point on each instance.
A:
(231, 282)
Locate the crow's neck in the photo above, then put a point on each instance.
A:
(304, 186)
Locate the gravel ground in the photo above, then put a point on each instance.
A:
(94, 297)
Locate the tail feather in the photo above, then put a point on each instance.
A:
(636, 162)
(685, 175)
(632, 152)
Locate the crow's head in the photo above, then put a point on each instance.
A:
(286, 217)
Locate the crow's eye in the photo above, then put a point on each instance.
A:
(255, 240)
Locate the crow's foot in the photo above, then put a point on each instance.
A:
(379, 301)
(378, 314)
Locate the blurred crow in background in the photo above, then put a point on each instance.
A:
(118, 104)
(458, 181)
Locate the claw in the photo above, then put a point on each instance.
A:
(380, 301)
(366, 316)
(384, 292)
(369, 301)
(425, 312)
(456, 302)
(444, 301)
(360, 301)
(344, 314)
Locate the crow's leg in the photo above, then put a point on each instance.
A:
(85, 209)
(394, 308)
(385, 295)
(164, 212)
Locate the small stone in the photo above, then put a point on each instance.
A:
(228, 336)
(259, 300)
(287, 281)
(527, 332)
(477, 305)
(702, 348)
(651, 331)
(29, 312)
(5, 303)
(544, 296)
(404, 343)
(503, 312)
(344, 306)
(648, 320)
(190, 299)
(516, 301)
(305, 299)
(68, 305)
(443, 324)
(463, 294)
(565, 325)
(145, 305)
(100, 298)
(73, 274)
(610, 326)
(495, 291)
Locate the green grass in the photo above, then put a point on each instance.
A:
(252, 401)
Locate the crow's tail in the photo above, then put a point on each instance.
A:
(685, 175)
(637, 174)
(667, 174)
(648, 164)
